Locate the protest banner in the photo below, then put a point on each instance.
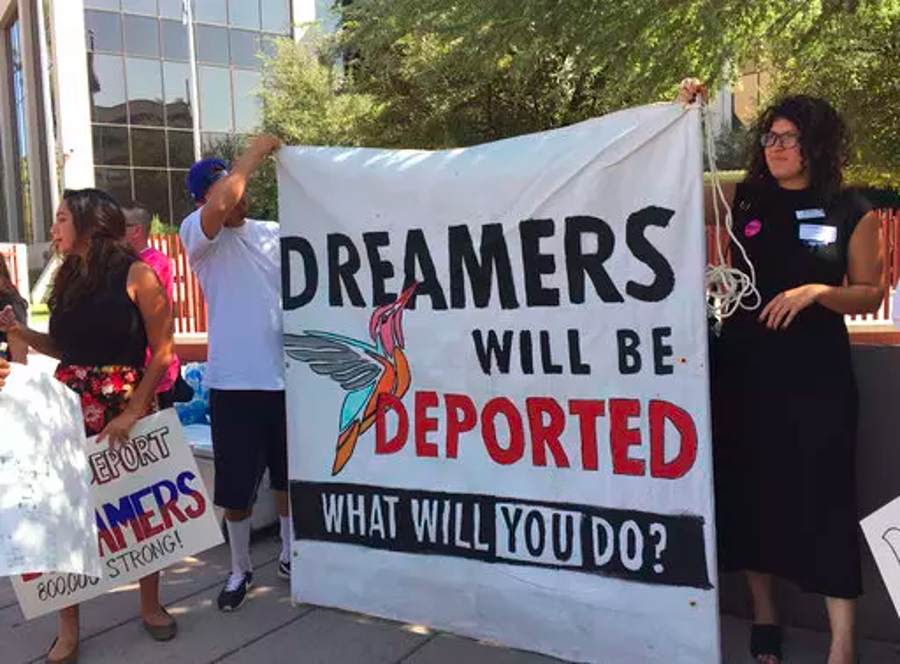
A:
(498, 404)
(151, 510)
(46, 520)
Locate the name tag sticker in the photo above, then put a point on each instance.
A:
(804, 215)
(817, 234)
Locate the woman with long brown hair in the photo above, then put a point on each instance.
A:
(16, 351)
(106, 308)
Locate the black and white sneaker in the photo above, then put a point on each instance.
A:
(235, 591)
(284, 569)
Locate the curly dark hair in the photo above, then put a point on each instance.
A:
(100, 223)
(824, 142)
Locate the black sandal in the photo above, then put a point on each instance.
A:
(765, 643)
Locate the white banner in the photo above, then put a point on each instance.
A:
(46, 523)
(498, 407)
(151, 509)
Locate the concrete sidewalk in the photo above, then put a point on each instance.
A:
(270, 629)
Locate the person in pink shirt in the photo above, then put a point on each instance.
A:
(138, 220)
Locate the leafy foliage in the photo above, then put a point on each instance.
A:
(435, 74)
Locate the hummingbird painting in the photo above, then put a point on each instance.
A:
(364, 369)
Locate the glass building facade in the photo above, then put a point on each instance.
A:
(139, 78)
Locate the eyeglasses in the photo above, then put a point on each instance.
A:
(787, 141)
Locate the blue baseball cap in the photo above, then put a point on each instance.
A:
(203, 175)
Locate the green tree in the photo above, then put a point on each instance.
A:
(453, 74)
(435, 74)
(307, 100)
(852, 60)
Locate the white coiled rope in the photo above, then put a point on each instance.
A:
(727, 288)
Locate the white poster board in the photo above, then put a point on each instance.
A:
(151, 509)
(46, 522)
(517, 449)
(882, 531)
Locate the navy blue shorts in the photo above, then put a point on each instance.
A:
(249, 435)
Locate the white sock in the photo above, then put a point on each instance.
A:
(286, 539)
(239, 539)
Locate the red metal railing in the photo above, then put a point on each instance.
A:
(188, 305)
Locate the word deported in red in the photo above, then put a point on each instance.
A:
(110, 463)
(547, 423)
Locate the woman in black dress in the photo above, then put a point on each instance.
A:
(785, 402)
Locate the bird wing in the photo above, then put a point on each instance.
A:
(350, 363)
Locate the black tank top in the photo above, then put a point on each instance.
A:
(792, 238)
(104, 329)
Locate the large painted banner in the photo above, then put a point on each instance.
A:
(151, 510)
(497, 387)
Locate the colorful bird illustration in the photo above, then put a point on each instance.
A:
(364, 370)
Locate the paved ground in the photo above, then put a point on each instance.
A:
(270, 629)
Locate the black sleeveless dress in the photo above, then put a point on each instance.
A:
(103, 343)
(785, 403)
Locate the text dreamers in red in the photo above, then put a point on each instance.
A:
(511, 434)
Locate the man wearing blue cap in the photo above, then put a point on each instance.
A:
(238, 263)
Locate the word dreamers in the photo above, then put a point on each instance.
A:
(148, 512)
(540, 429)
(486, 268)
(109, 463)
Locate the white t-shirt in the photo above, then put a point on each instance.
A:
(240, 272)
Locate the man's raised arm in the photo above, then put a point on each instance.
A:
(225, 194)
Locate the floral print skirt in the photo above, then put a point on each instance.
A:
(104, 392)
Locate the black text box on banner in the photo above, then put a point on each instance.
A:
(630, 545)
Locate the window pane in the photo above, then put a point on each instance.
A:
(276, 16)
(215, 93)
(181, 149)
(148, 147)
(101, 4)
(170, 8)
(114, 181)
(244, 13)
(246, 103)
(268, 44)
(211, 11)
(244, 47)
(140, 6)
(103, 31)
(110, 145)
(177, 81)
(145, 98)
(214, 145)
(182, 203)
(106, 76)
(212, 45)
(174, 40)
(142, 36)
(152, 189)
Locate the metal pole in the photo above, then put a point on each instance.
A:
(187, 17)
(52, 142)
